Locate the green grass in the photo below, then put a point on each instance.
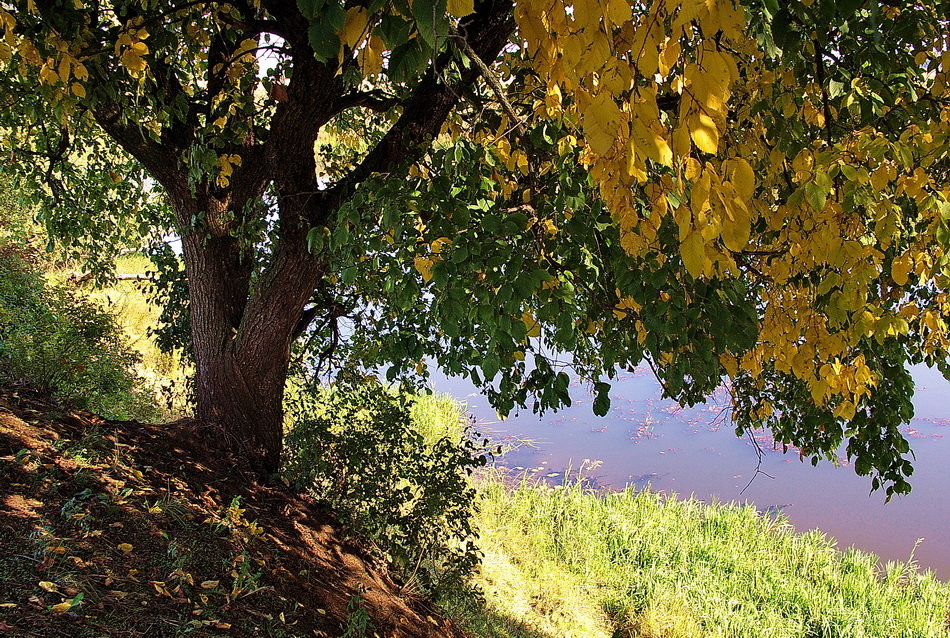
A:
(569, 561)
(438, 415)
(129, 304)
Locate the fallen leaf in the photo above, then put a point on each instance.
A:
(125, 548)
(209, 584)
(48, 586)
(62, 608)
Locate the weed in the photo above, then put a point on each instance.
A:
(638, 563)
(358, 622)
(359, 448)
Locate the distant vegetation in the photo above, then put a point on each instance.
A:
(57, 340)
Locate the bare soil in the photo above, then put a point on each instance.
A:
(129, 529)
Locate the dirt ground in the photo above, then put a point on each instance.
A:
(127, 529)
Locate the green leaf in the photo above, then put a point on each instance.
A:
(310, 8)
(408, 60)
(431, 20)
(394, 30)
(324, 40)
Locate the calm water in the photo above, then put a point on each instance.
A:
(645, 440)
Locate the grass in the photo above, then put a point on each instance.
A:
(571, 561)
(129, 304)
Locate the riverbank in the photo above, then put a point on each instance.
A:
(571, 561)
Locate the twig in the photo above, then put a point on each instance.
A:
(490, 78)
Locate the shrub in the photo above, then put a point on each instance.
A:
(358, 448)
(64, 345)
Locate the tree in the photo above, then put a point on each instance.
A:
(747, 191)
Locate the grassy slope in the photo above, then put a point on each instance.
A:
(567, 561)
(125, 529)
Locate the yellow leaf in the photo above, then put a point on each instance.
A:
(729, 363)
(900, 269)
(646, 41)
(743, 178)
(669, 57)
(371, 56)
(460, 8)
(618, 11)
(62, 608)
(134, 63)
(78, 89)
(600, 123)
(125, 548)
(355, 26)
(552, 100)
(48, 586)
(63, 69)
(247, 46)
(735, 233)
(704, 133)
(209, 584)
(436, 245)
(424, 266)
(693, 250)
(531, 324)
(651, 143)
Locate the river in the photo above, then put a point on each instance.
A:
(648, 441)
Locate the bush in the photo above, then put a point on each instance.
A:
(358, 448)
(64, 345)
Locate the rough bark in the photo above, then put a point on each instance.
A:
(241, 341)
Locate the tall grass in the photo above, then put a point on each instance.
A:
(127, 301)
(60, 343)
(570, 561)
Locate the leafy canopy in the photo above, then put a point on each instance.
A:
(745, 191)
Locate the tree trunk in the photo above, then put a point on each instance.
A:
(242, 339)
(239, 404)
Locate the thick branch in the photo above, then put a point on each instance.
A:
(373, 100)
(486, 33)
(159, 160)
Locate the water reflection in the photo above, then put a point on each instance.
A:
(645, 440)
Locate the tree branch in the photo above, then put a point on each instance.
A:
(374, 100)
(486, 33)
(490, 79)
